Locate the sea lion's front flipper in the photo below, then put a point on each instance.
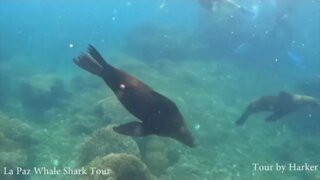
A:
(243, 118)
(131, 129)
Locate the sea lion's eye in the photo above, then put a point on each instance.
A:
(122, 86)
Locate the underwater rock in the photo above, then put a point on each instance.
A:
(12, 160)
(5, 86)
(107, 109)
(159, 154)
(151, 42)
(16, 130)
(42, 92)
(79, 128)
(16, 142)
(119, 166)
(105, 141)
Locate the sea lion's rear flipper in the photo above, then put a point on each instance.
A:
(86, 62)
(92, 62)
(131, 129)
(97, 56)
(273, 117)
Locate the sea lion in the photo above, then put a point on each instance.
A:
(213, 5)
(280, 105)
(159, 115)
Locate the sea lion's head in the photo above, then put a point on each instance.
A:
(306, 100)
(183, 135)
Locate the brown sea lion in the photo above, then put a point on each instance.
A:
(280, 105)
(159, 115)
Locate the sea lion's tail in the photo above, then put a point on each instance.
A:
(92, 61)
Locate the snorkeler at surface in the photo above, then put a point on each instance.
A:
(280, 105)
(282, 30)
(213, 5)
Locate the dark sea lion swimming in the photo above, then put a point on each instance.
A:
(159, 115)
(280, 105)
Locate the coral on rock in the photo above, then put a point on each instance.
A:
(16, 144)
(15, 130)
(109, 110)
(118, 166)
(159, 154)
(105, 141)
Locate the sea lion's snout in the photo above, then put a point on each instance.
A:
(191, 142)
(185, 136)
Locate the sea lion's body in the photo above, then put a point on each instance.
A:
(280, 105)
(159, 115)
